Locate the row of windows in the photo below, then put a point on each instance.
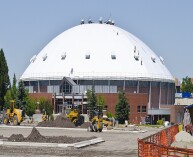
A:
(140, 109)
(126, 83)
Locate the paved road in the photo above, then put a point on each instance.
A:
(117, 142)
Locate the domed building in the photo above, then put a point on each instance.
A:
(108, 58)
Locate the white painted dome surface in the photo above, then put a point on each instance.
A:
(101, 42)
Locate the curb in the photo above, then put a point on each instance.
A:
(52, 128)
(61, 145)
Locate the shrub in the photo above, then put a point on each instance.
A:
(160, 122)
(52, 117)
(109, 114)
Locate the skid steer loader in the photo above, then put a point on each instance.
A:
(96, 119)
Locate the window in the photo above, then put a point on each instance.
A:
(144, 109)
(66, 87)
(138, 108)
(33, 83)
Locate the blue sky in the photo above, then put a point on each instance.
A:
(166, 26)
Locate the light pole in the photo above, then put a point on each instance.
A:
(38, 108)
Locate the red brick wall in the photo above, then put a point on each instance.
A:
(134, 100)
(39, 95)
(111, 99)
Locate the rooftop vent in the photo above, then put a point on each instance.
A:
(44, 57)
(153, 59)
(87, 56)
(63, 55)
(109, 22)
(33, 59)
(135, 49)
(136, 56)
(113, 55)
(101, 20)
(82, 22)
(161, 59)
(90, 21)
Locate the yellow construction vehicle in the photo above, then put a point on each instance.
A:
(96, 120)
(107, 121)
(75, 117)
(44, 116)
(13, 115)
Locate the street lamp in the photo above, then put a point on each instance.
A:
(38, 108)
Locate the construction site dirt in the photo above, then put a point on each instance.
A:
(35, 136)
(118, 142)
(62, 121)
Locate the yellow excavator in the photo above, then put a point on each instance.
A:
(13, 115)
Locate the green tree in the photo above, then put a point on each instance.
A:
(31, 106)
(101, 101)
(92, 101)
(22, 95)
(122, 112)
(14, 88)
(11, 93)
(46, 106)
(4, 78)
(7, 99)
(187, 85)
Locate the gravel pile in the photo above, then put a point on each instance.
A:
(35, 136)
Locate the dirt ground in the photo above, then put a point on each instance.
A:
(62, 121)
(117, 142)
(35, 136)
(56, 152)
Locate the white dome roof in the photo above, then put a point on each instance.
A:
(114, 53)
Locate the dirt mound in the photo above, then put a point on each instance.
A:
(85, 125)
(35, 136)
(62, 121)
(16, 138)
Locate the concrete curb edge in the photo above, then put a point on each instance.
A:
(61, 145)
